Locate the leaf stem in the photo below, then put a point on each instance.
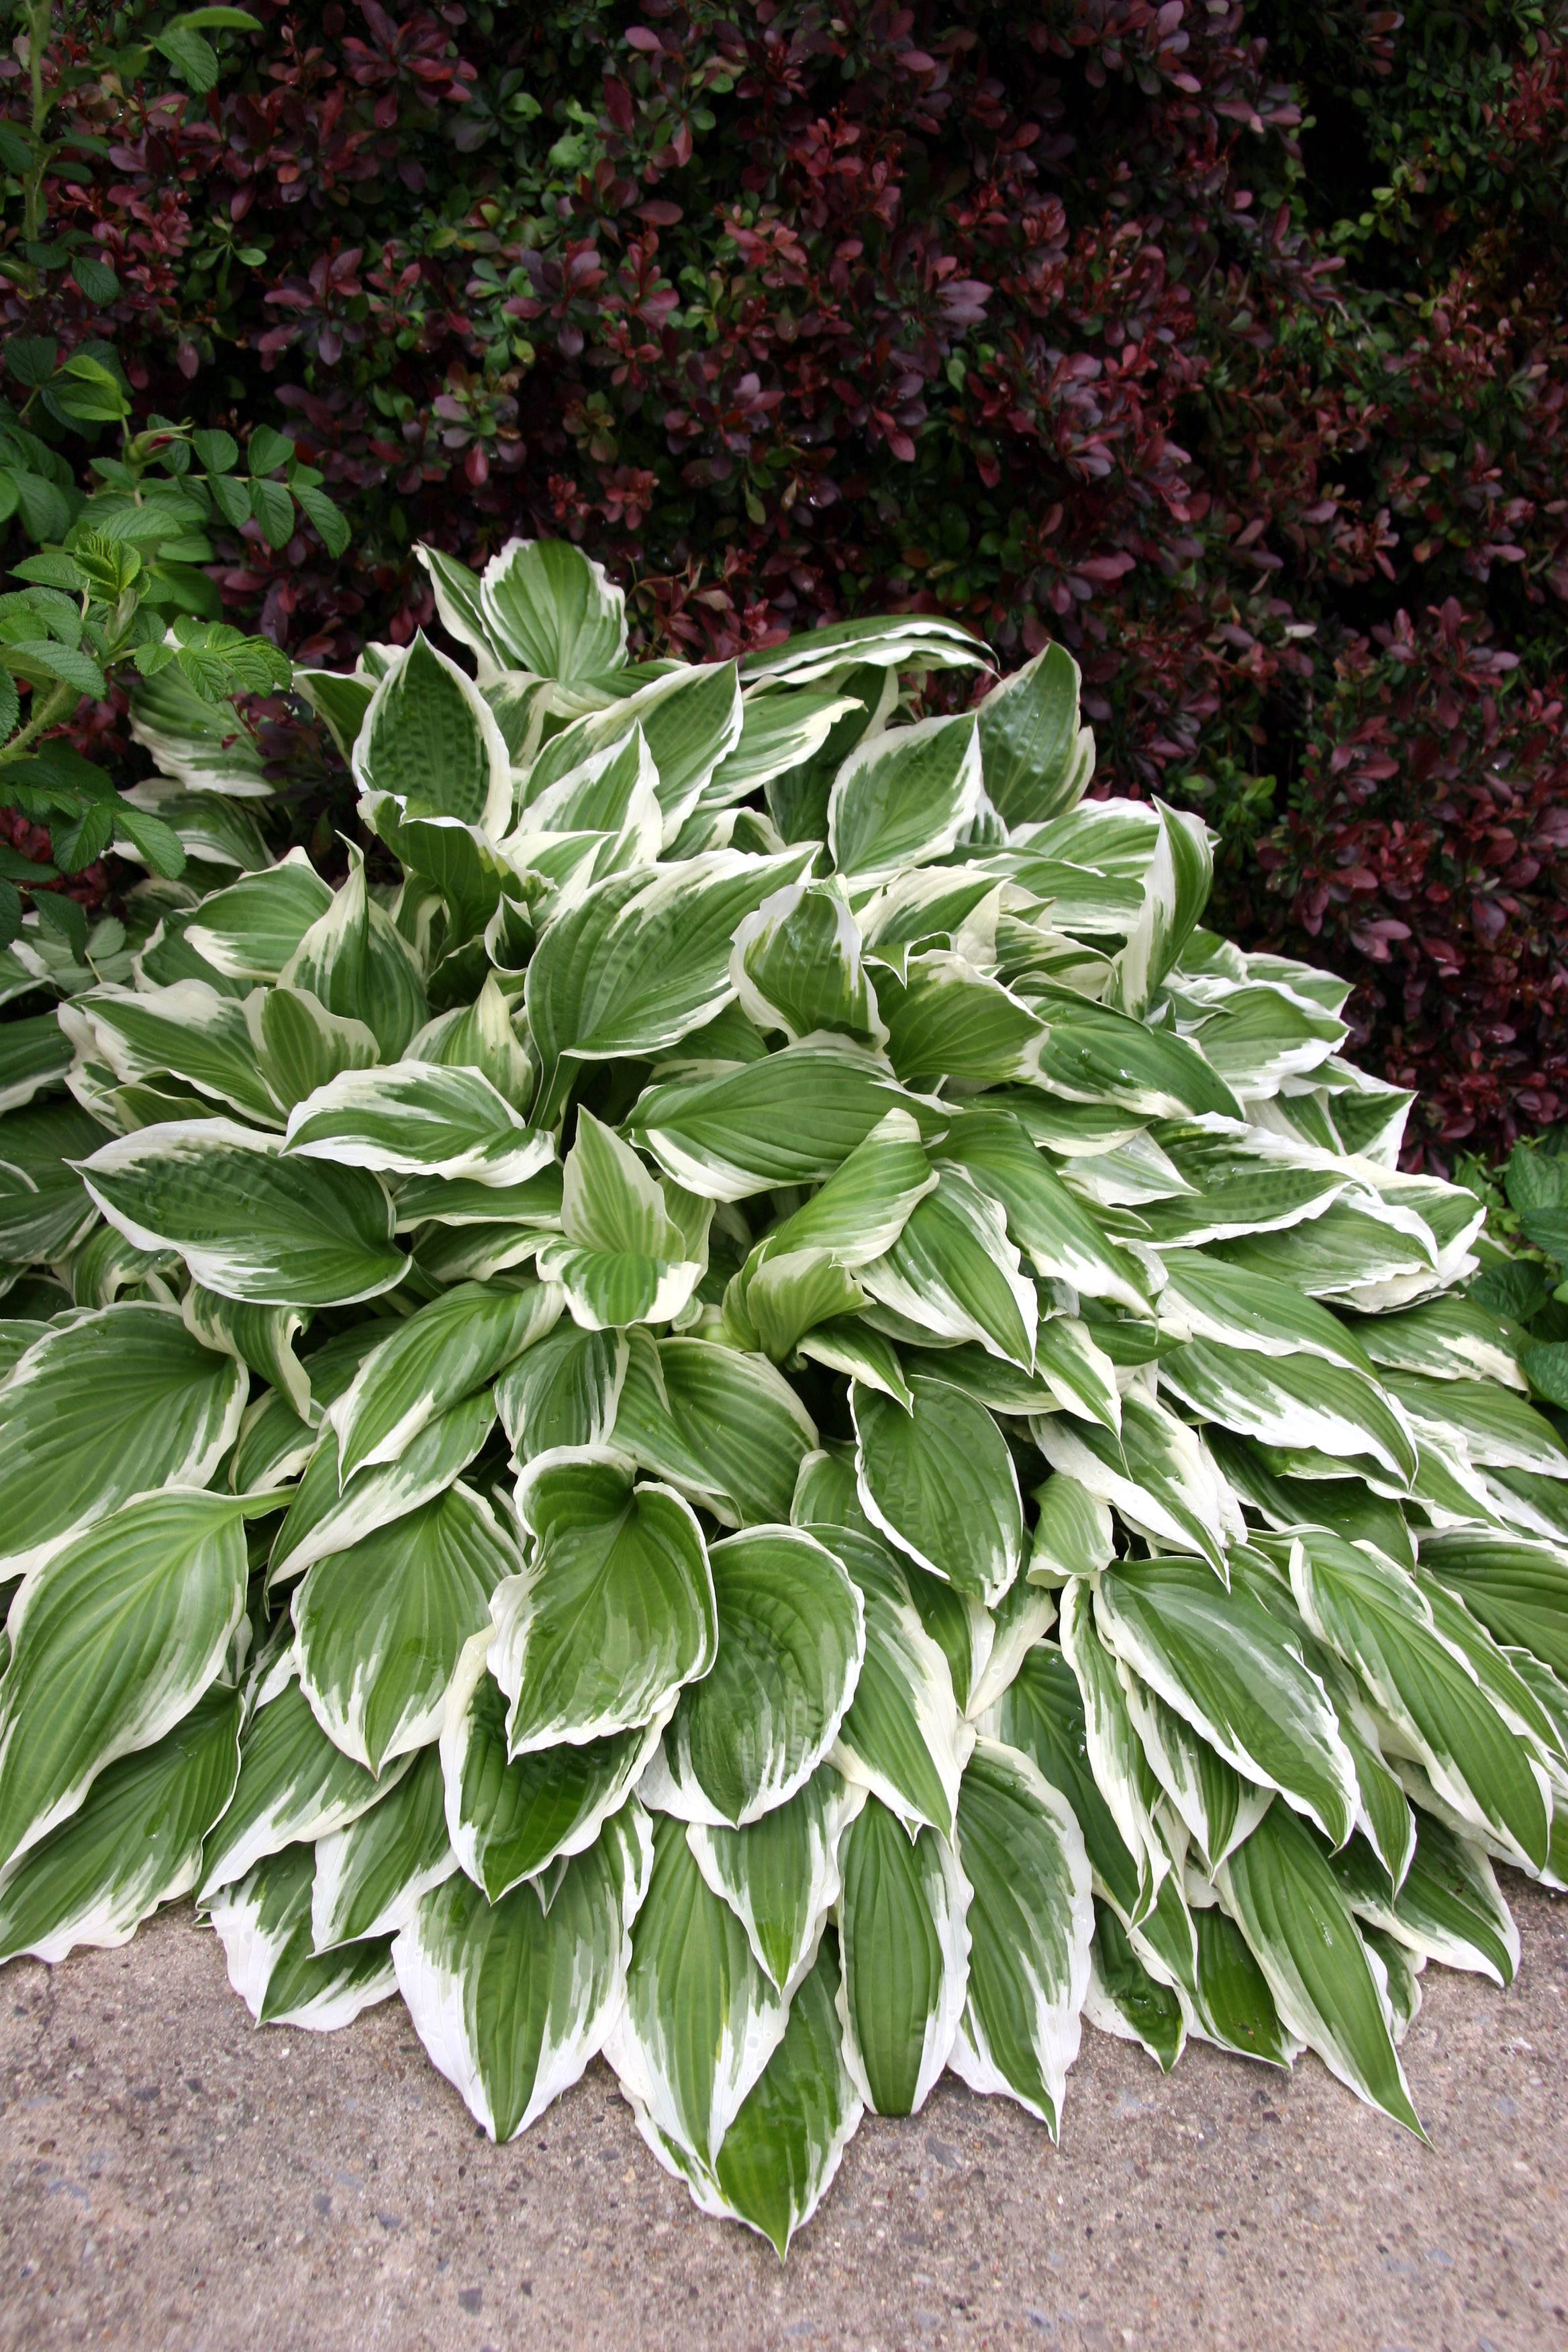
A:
(40, 14)
(56, 703)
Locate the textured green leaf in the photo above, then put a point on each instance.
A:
(383, 1623)
(904, 1941)
(614, 1611)
(941, 1482)
(747, 1737)
(136, 1842)
(510, 1817)
(700, 2021)
(251, 1223)
(428, 738)
(1288, 1905)
(512, 2001)
(1030, 1922)
(119, 1402)
(111, 1643)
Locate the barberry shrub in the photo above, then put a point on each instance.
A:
(749, 1408)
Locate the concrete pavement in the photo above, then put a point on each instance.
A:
(176, 2181)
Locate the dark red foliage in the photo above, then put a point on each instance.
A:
(1214, 338)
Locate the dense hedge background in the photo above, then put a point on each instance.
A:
(1224, 339)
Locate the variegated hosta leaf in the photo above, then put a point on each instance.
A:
(508, 1818)
(1156, 1473)
(1176, 883)
(723, 1428)
(953, 1270)
(780, 1876)
(111, 1643)
(418, 1119)
(1302, 1934)
(1516, 1588)
(563, 1392)
(614, 1611)
(1132, 1865)
(1300, 1402)
(1123, 1999)
(1376, 1617)
(948, 1019)
(1036, 756)
(701, 2020)
(904, 1940)
(360, 966)
(1030, 1922)
(641, 960)
(1048, 1222)
(382, 1625)
(263, 1921)
(778, 2156)
(633, 1250)
(1234, 2007)
(136, 1842)
(299, 1046)
(940, 1482)
(428, 738)
(371, 1875)
(915, 640)
(260, 1338)
(251, 930)
(791, 1635)
(548, 607)
(1448, 1907)
(251, 1223)
(511, 1999)
(1072, 1533)
(792, 1118)
(325, 1517)
(294, 1784)
(797, 965)
(117, 1403)
(444, 1353)
(1228, 1667)
(903, 798)
(903, 1737)
(187, 1031)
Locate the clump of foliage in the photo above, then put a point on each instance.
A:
(1222, 344)
(749, 1407)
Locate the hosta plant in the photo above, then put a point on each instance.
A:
(747, 1407)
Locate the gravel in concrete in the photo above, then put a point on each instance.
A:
(175, 2181)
